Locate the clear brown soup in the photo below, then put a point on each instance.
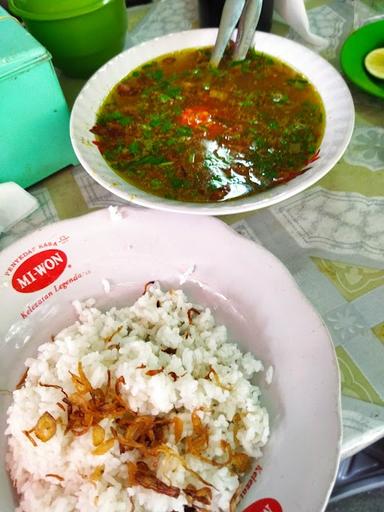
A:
(180, 129)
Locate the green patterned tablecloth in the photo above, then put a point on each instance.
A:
(331, 237)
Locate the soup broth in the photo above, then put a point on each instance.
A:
(179, 128)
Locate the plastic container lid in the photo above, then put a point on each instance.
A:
(18, 49)
(53, 10)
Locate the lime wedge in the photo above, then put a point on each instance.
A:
(374, 62)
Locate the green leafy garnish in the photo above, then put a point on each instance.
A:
(217, 71)
(160, 121)
(147, 159)
(184, 131)
(298, 83)
(155, 183)
(156, 75)
(176, 182)
(134, 147)
(114, 116)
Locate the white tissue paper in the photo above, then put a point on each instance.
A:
(15, 205)
(295, 15)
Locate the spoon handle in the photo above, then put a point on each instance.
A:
(247, 27)
(231, 13)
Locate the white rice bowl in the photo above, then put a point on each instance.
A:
(128, 342)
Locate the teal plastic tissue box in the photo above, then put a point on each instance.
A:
(34, 118)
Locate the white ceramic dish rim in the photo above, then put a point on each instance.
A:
(137, 221)
(337, 94)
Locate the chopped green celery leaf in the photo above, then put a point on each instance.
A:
(164, 98)
(156, 75)
(217, 71)
(166, 125)
(156, 183)
(235, 63)
(298, 82)
(114, 116)
(180, 148)
(266, 59)
(184, 131)
(134, 147)
(259, 142)
(155, 120)
(148, 159)
(176, 182)
(246, 103)
(109, 154)
(173, 92)
(119, 148)
(161, 122)
(126, 120)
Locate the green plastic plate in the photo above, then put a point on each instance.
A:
(353, 53)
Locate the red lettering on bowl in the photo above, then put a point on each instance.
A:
(265, 505)
(39, 271)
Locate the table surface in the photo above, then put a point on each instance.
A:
(331, 237)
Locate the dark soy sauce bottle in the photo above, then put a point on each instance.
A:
(210, 13)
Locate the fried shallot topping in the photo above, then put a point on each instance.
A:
(53, 386)
(203, 495)
(116, 331)
(151, 373)
(97, 473)
(80, 381)
(147, 285)
(235, 499)
(22, 380)
(140, 474)
(173, 376)
(213, 372)
(198, 442)
(53, 475)
(169, 350)
(191, 313)
(88, 406)
(45, 427)
(98, 435)
(148, 435)
(27, 433)
(178, 427)
(104, 447)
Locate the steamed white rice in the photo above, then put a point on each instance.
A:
(156, 321)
